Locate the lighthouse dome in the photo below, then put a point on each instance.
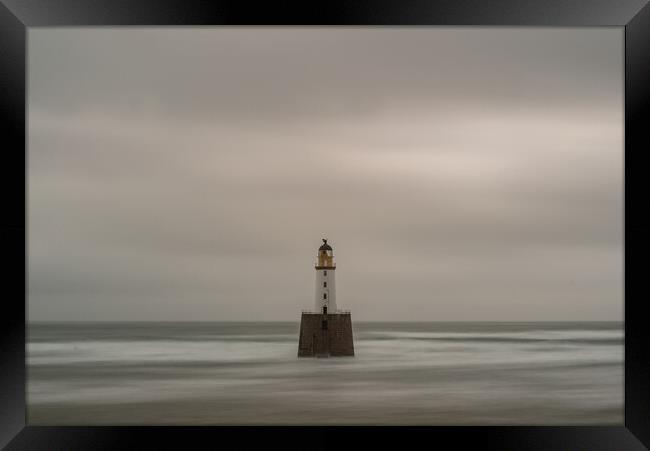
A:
(325, 246)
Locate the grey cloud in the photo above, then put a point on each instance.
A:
(460, 173)
(233, 74)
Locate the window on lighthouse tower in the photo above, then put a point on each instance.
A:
(324, 284)
(324, 295)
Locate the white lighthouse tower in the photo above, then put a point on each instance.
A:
(325, 281)
(325, 331)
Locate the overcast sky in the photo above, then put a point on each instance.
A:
(459, 173)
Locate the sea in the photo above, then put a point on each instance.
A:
(248, 373)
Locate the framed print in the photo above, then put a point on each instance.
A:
(385, 222)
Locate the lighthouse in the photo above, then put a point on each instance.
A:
(325, 331)
(325, 281)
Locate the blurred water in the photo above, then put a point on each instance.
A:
(248, 373)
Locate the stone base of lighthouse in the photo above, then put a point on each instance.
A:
(325, 335)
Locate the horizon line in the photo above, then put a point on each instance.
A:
(297, 321)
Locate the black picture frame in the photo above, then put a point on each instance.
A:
(17, 15)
